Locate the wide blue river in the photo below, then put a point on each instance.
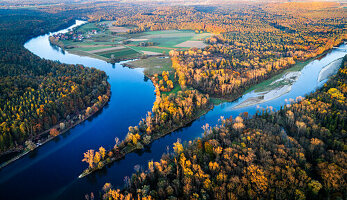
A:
(51, 171)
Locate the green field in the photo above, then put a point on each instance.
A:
(119, 53)
(91, 48)
(152, 49)
(153, 65)
(88, 27)
(164, 41)
(169, 38)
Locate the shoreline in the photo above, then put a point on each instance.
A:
(20, 150)
(122, 152)
(49, 138)
(182, 124)
(84, 53)
(273, 93)
(329, 69)
(283, 73)
(121, 155)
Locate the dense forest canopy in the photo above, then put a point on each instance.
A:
(298, 152)
(36, 94)
(251, 42)
(271, 155)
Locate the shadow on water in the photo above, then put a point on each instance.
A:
(145, 78)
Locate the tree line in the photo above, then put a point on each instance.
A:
(297, 152)
(37, 94)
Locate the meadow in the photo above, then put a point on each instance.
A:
(151, 43)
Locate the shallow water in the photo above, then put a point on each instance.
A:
(51, 171)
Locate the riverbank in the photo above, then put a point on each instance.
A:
(281, 83)
(45, 137)
(331, 68)
(48, 163)
(124, 150)
(145, 139)
(274, 90)
(77, 52)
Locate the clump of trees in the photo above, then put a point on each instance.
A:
(168, 113)
(235, 61)
(38, 94)
(297, 152)
(251, 44)
(164, 81)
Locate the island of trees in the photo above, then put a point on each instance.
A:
(250, 45)
(298, 152)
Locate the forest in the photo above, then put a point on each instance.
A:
(297, 152)
(250, 44)
(38, 94)
(294, 153)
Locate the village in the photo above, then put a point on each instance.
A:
(75, 35)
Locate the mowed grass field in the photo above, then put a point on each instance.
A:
(164, 41)
(152, 49)
(87, 27)
(153, 65)
(119, 53)
(169, 38)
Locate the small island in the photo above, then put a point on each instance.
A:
(172, 59)
(265, 81)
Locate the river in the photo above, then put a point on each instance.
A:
(51, 171)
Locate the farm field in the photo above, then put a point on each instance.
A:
(170, 38)
(112, 43)
(153, 65)
(156, 65)
(119, 53)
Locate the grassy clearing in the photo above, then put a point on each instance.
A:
(90, 48)
(170, 42)
(172, 32)
(156, 65)
(153, 65)
(87, 27)
(169, 38)
(202, 36)
(191, 43)
(84, 53)
(165, 40)
(153, 49)
(119, 53)
(106, 50)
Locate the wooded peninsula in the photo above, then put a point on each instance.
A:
(196, 57)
